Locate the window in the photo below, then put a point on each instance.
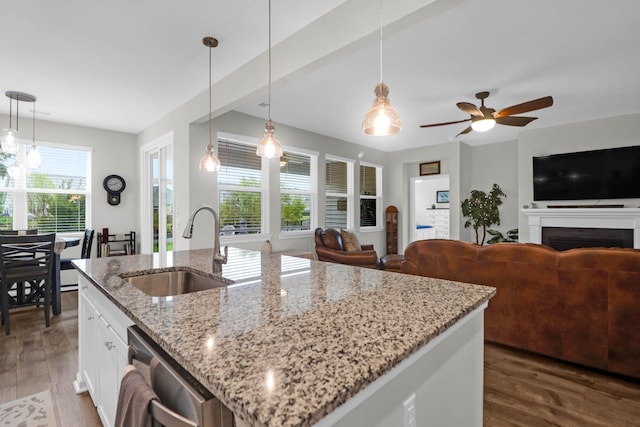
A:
(338, 194)
(297, 191)
(370, 196)
(242, 190)
(51, 198)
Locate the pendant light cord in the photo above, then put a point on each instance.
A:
(33, 131)
(17, 114)
(269, 88)
(10, 112)
(380, 41)
(210, 140)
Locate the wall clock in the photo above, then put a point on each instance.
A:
(114, 185)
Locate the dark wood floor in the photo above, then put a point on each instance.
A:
(521, 389)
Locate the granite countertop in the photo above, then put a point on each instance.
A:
(293, 339)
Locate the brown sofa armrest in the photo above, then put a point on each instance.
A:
(367, 259)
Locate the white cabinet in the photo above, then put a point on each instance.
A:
(88, 317)
(102, 349)
(438, 219)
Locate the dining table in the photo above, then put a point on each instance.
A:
(62, 242)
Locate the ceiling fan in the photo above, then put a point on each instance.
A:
(484, 118)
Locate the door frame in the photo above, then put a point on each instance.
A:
(146, 194)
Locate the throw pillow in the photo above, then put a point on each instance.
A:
(350, 241)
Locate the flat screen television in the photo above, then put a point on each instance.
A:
(588, 175)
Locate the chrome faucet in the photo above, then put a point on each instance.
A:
(218, 258)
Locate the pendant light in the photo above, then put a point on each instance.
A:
(9, 135)
(210, 162)
(382, 118)
(34, 160)
(269, 146)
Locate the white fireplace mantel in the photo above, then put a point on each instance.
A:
(622, 218)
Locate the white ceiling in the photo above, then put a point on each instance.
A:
(123, 64)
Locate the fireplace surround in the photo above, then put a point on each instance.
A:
(585, 218)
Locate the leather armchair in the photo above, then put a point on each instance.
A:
(329, 247)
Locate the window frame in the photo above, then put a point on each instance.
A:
(263, 190)
(377, 197)
(20, 190)
(349, 195)
(312, 192)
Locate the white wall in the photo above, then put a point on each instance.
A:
(489, 164)
(425, 196)
(591, 135)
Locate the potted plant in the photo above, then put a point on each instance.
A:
(498, 237)
(482, 211)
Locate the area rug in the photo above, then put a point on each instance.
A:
(30, 411)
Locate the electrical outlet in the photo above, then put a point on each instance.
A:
(410, 411)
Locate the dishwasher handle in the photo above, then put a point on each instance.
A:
(164, 416)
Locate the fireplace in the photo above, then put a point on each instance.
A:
(587, 222)
(563, 238)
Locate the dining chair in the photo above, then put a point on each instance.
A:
(26, 273)
(28, 232)
(87, 243)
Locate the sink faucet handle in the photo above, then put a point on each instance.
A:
(219, 258)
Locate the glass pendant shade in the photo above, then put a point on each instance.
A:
(382, 118)
(210, 162)
(269, 146)
(483, 125)
(15, 170)
(8, 141)
(34, 160)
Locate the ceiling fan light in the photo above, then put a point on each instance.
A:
(483, 125)
(210, 162)
(269, 146)
(381, 119)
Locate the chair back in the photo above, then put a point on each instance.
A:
(28, 232)
(87, 242)
(26, 257)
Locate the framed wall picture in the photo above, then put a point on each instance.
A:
(430, 168)
(442, 196)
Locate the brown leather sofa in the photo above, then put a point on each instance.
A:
(329, 247)
(580, 305)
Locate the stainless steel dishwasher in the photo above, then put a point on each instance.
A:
(183, 400)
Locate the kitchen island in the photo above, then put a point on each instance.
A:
(296, 342)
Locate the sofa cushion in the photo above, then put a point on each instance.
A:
(331, 239)
(600, 313)
(350, 241)
(524, 311)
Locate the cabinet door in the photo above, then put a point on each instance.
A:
(113, 359)
(88, 349)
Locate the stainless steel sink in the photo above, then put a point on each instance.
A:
(174, 282)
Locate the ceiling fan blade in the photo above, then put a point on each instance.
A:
(445, 123)
(467, 130)
(468, 107)
(515, 121)
(525, 107)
